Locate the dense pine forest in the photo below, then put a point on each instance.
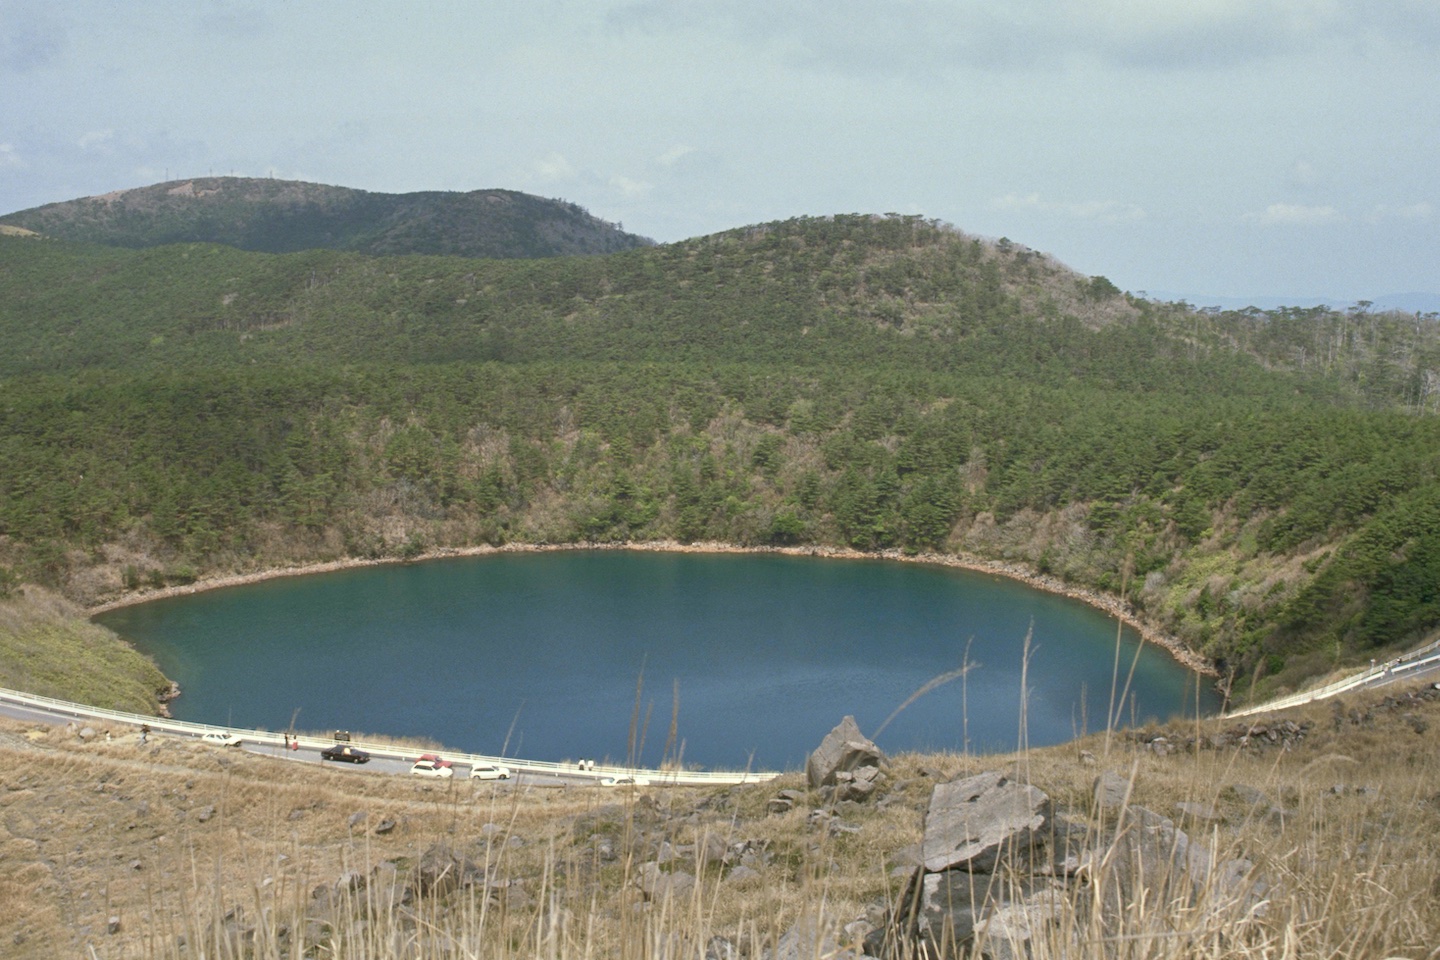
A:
(1263, 485)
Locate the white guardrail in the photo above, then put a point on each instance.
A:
(1426, 656)
(598, 772)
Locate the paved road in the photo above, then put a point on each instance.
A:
(1420, 664)
(385, 758)
(311, 754)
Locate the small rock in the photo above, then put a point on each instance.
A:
(1199, 812)
(741, 874)
(384, 827)
(719, 948)
(656, 884)
(1110, 790)
(712, 849)
(857, 930)
(806, 938)
(1246, 795)
(112, 926)
(908, 856)
(350, 880)
(357, 818)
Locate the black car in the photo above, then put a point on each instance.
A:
(343, 751)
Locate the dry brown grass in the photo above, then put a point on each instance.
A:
(172, 838)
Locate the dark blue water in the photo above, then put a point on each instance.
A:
(538, 655)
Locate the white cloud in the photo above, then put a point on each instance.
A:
(553, 167)
(672, 156)
(631, 188)
(1104, 211)
(95, 138)
(9, 159)
(1295, 214)
(1411, 211)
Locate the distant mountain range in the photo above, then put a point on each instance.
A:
(1414, 302)
(283, 216)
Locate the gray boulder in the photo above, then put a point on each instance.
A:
(971, 823)
(809, 938)
(442, 869)
(1110, 790)
(857, 785)
(657, 885)
(844, 748)
(1149, 859)
(992, 915)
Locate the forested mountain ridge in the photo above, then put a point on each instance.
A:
(285, 216)
(807, 291)
(1264, 485)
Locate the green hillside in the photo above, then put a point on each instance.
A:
(284, 216)
(1263, 485)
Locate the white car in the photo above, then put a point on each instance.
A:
(430, 765)
(218, 739)
(490, 772)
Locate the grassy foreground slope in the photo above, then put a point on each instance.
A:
(1263, 486)
(173, 849)
(48, 648)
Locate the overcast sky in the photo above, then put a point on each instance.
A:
(1196, 147)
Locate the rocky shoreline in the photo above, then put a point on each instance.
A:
(1111, 605)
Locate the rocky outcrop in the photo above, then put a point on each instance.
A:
(999, 868)
(971, 822)
(844, 750)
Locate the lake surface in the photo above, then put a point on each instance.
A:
(539, 655)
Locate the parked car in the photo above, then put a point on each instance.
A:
(624, 782)
(343, 751)
(488, 771)
(430, 765)
(220, 739)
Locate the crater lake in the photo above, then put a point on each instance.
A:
(726, 660)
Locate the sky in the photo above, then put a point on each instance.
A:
(1225, 148)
